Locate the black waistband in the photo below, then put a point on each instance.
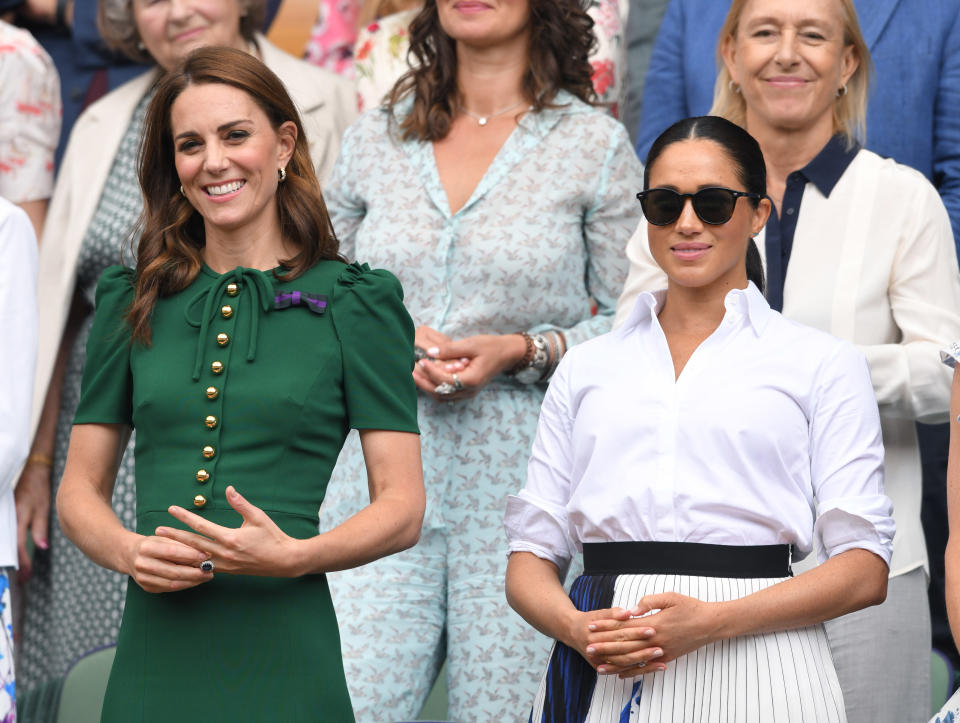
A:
(686, 558)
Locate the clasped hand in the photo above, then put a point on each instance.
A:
(658, 629)
(170, 559)
(475, 360)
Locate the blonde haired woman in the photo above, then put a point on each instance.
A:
(859, 246)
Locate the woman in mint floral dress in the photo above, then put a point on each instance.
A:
(508, 215)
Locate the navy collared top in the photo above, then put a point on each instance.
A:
(823, 171)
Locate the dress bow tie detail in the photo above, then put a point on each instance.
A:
(260, 286)
(317, 303)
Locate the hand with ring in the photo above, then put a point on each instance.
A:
(460, 369)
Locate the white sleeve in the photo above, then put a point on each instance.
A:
(924, 291)
(846, 460)
(536, 519)
(18, 338)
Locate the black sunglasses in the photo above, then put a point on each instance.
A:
(714, 206)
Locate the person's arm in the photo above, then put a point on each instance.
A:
(18, 322)
(848, 582)
(952, 557)
(33, 490)
(946, 127)
(924, 296)
(390, 523)
(537, 527)
(88, 520)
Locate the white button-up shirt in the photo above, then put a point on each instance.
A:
(766, 415)
(874, 263)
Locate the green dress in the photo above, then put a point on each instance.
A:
(253, 381)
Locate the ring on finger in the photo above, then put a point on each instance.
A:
(445, 389)
(207, 565)
(457, 384)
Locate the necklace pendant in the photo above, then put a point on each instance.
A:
(482, 120)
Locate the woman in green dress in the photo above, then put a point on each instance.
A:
(241, 349)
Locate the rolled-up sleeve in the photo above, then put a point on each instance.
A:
(536, 518)
(846, 460)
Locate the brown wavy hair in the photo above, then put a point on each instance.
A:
(561, 40)
(169, 255)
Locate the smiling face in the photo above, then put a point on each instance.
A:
(227, 156)
(789, 59)
(170, 29)
(694, 254)
(484, 23)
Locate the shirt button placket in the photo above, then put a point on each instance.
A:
(212, 385)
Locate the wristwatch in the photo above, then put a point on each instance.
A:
(534, 369)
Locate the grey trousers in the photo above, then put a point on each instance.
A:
(882, 655)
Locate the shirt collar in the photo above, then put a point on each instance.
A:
(829, 164)
(748, 302)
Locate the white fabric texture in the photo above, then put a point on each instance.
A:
(18, 351)
(766, 415)
(873, 263)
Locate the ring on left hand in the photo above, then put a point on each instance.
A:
(457, 384)
(445, 389)
(207, 566)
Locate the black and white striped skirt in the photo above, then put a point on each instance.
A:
(783, 676)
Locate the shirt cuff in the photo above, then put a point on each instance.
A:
(855, 522)
(951, 355)
(532, 526)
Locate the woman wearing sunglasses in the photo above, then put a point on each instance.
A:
(859, 246)
(687, 486)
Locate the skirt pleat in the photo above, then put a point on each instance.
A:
(784, 676)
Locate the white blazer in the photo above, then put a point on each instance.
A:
(327, 105)
(874, 263)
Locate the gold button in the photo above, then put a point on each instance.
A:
(223, 339)
(209, 451)
(226, 311)
(210, 421)
(212, 392)
(216, 367)
(202, 476)
(199, 501)
(232, 290)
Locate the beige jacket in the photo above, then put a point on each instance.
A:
(327, 104)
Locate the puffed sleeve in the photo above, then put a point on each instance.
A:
(376, 341)
(106, 394)
(846, 460)
(536, 519)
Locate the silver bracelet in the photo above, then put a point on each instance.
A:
(535, 368)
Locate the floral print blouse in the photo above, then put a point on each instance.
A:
(541, 236)
(30, 111)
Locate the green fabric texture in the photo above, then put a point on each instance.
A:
(291, 383)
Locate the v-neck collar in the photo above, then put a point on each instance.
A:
(530, 130)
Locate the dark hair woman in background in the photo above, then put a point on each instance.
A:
(242, 349)
(502, 199)
(687, 485)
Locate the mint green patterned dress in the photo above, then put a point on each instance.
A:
(543, 234)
